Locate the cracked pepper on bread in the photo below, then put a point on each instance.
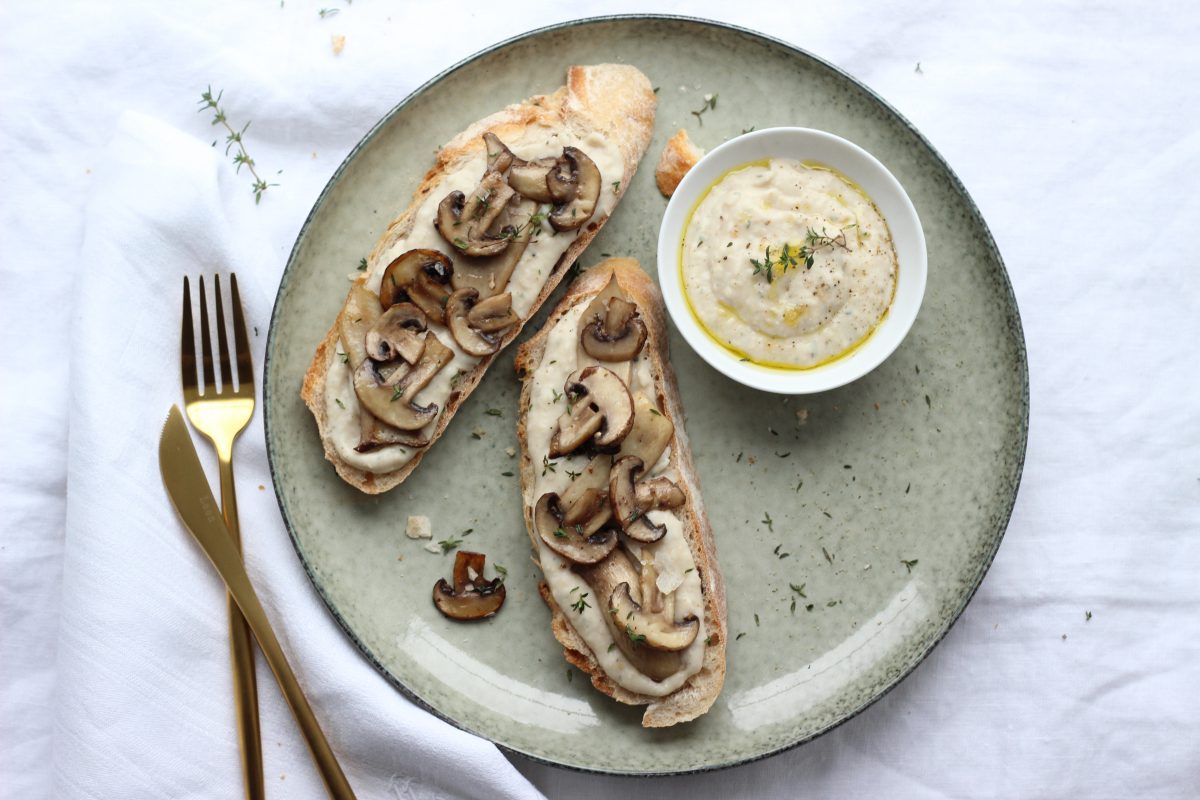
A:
(612, 503)
(509, 205)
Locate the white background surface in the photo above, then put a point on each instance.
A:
(1075, 126)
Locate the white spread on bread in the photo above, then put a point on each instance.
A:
(671, 555)
(530, 275)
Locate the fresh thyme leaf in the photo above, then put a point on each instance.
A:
(501, 570)
(616, 186)
(461, 244)
(739, 456)
(747, 130)
(799, 485)
(328, 12)
(397, 391)
(507, 474)
(757, 624)
(710, 103)
(928, 402)
(808, 607)
(828, 557)
(611, 646)
(560, 533)
(556, 395)
(793, 605)
(636, 638)
(906, 488)
(338, 400)
(908, 565)
(449, 544)
(655, 412)
(241, 158)
(799, 589)
(494, 412)
(656, 88)
(783, 455)
(580, 604)
(740, 635)
(362, 265)
(1087, 616)
(345, 357)
(770, 523)
(548, 466)
(572, 474)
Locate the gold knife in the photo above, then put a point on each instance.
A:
(193, 499)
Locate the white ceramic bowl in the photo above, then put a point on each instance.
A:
(882, 187)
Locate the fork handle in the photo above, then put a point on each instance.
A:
(241, 651)
(228, 563)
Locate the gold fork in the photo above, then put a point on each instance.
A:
(221, 416)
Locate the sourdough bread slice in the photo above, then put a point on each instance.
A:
(613, 101)
(696, 695)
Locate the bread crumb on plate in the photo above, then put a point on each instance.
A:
(418, 528)
(679, 156)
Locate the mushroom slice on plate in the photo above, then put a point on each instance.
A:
(660, 492)
(604, 577)
(421, 276)
(472, 340)
(393, 403)
(465, 222)
(616, 335)
(644, 626)
(470, 597)
(489, 276)
(571, 541)
(601, 412)
(574, 184)
(623, 496)
(593, 476)
(399, 333)
(651, 433)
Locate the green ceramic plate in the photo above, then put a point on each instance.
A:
(885, 500)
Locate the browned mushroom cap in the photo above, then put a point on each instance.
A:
(651, 433)
(499, 157)
(421, 276)
(658, 492)
(617, 335)
(465, 222)
(574, 184)
(571, 541)
(489, 276)
(472, 341)
(601, 411)
(470, 597)
(493, 314)
(604, 577)
(530, 178)
(623, 496)
(392, 400)
(399, 333)
(374, 434)
(654, 630)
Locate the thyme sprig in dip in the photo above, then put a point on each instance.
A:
(787, 263)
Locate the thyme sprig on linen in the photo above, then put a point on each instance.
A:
(787, 258)
(234, 138)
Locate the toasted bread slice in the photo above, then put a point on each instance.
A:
(611, 101)
(679, 155)
(695, 696)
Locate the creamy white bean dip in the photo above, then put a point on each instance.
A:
(788, 263)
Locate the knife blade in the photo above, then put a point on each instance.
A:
(193, 499)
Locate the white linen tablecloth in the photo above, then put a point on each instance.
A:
(1076, 127)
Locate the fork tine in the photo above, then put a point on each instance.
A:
(210, 383)
(187, 340)
(245, 369)
(222, 341)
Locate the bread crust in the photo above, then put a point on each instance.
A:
(614, 99)
(697, 695)
(679, 155)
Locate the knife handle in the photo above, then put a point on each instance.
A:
(225, 557)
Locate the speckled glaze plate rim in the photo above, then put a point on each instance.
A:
(987, 242)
